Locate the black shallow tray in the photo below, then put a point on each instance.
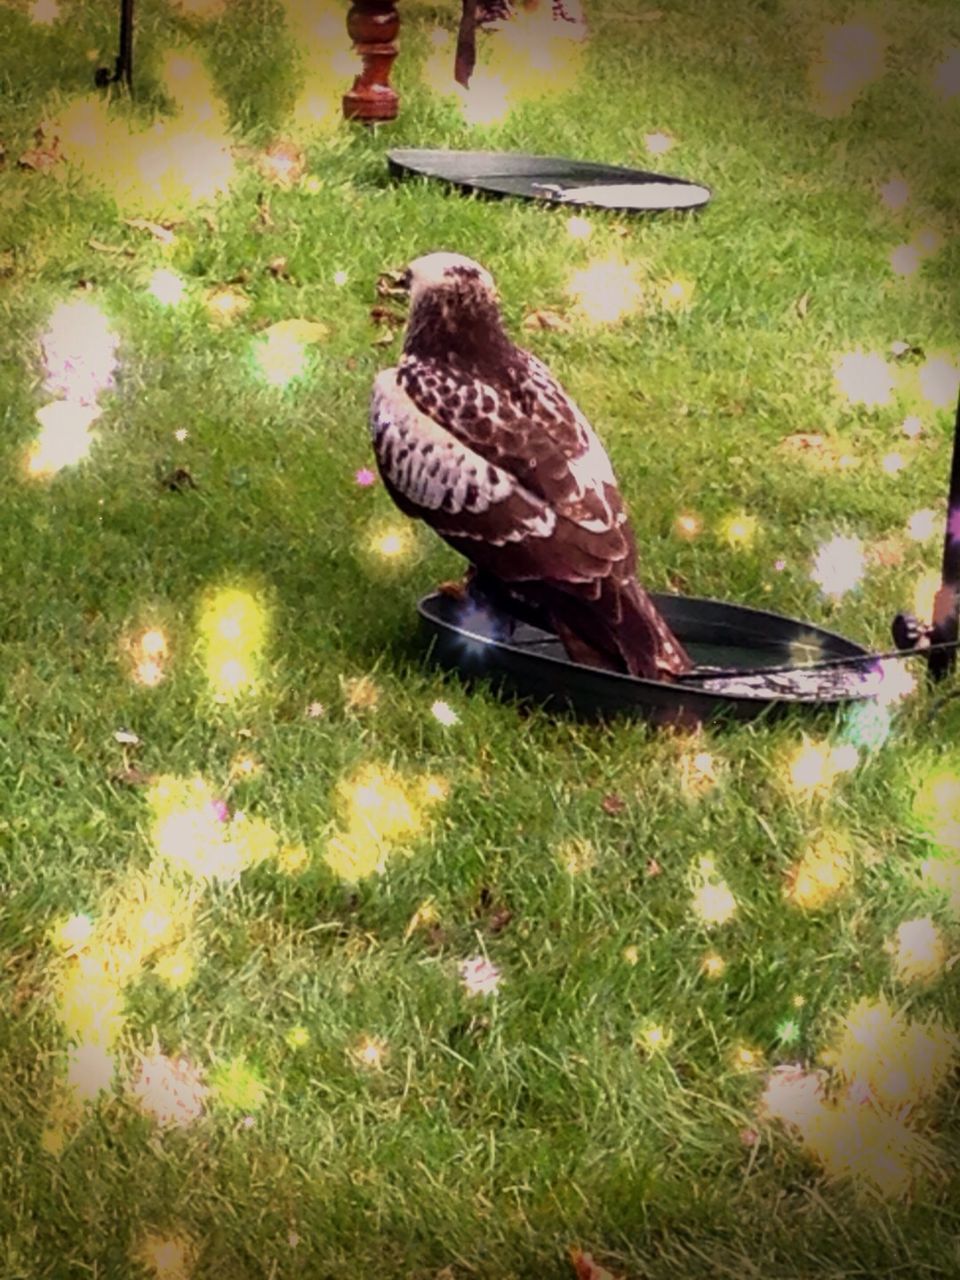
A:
(533, 177)
(529, 661)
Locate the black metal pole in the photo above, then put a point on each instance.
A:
(946, 608)
(123, 66)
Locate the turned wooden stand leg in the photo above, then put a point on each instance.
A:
(372, 26)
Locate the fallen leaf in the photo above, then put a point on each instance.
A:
(127, 737)
(613, 804)
(499, 919)
(547, 320)
(901, 350)
(654, 868)
(387, 316)
(384, 339)
(887, 552)
(278, 268)
(121, 249)
(42, 157)
(160, 232)
(586, 1268)
(132, 778)
(297, 331)
(802, 305)
(389, 285)
(178, 481)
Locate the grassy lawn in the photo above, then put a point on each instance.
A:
(249, 837)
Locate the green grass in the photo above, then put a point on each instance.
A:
(497, 1130)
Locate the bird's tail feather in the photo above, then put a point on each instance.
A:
(622, 631)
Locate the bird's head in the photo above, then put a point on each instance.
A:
(454, 309)
(449, 278)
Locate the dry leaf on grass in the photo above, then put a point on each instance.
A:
(613, 804)
(546, 320)
(296, 330)
(159, 231)
(389, 285)
(46, 154)
(586, 1268)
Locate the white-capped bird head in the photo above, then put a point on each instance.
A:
(454, 312)
(449, 275)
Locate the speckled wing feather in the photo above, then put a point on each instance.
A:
(509, 472)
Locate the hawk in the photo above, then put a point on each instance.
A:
(476, 437)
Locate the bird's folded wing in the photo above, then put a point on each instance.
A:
(528, 426)
(480, 506)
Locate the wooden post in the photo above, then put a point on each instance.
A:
(372, 26)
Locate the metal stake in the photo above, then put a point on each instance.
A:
(946, 609)
(123, 67)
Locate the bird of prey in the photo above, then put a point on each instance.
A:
(476, 437)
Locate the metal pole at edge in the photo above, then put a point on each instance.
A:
(946, 608)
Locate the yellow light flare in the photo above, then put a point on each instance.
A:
(688, 525)
(393, 543)
(80, 351)
(233, 633)
(223, 305)
(148, 673)
(918, 951)
(370, 1053)
(74, 933)
(531, 58)
(65, 437)
(894, 1060)
(924, 525)
(360, 693)
(851, 56)
(383, 814)
(191, 835)
(281, 352)
(944, 874)
(167, 286)
(925, 595)
(940, 381)
(713, 965)
(606, 291)
(425, 916)
(153, 643)
(176, 968)
(815, 766)
(746, 1058)
(90, 1005)
(166, 167)
(740, 530)
(676, 295)
(293, 859)
(169, 1090)
(653, 1038)
(864, 377)
(713, 900)
(936, 806)
(577, 856)
(90, 1070)
(329, 63)
(168, 1258)
(822, 872)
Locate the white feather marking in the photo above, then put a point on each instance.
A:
(434, 470)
